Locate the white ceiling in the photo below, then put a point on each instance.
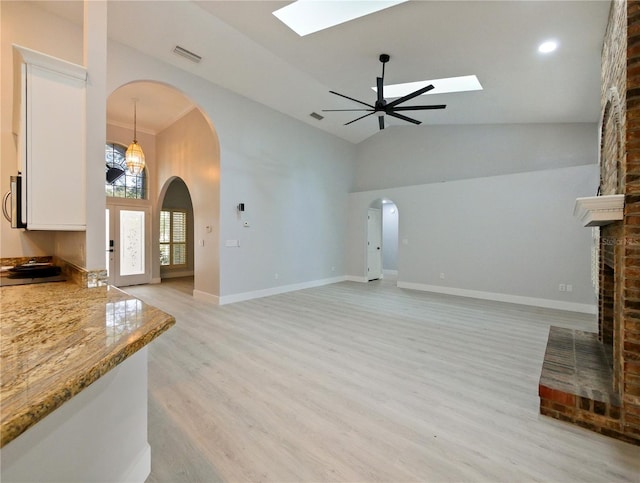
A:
(248, 50)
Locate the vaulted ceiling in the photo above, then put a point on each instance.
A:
(248, 50)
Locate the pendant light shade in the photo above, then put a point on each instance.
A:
(134, 156)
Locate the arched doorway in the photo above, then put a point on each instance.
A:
(179, 141)
(176, 239)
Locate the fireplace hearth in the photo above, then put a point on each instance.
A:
(593, 379)
(576, 384)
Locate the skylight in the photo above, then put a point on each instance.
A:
(305, 17)
(440, 86)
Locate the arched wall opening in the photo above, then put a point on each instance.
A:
(175, 220)
(179, 141)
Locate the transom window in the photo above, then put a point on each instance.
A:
(173, 238)
(120, 183)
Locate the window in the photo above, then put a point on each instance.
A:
(120, 183)
(173, 238)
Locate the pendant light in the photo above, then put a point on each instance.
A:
(134, 155)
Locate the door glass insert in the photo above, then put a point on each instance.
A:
(132, 243)
(107, 232)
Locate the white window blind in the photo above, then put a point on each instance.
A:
(173, 238)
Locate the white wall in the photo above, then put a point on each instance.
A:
(189, 149)
(294, 182)
(488, 206)
(509, 235)
(431, 154)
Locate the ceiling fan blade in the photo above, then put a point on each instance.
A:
(418, 108)
(379, 88)
(341, 110)
(358, 118)
(351, 99)
(404, 118)
(113, 174)
(381, 122)
(417, 93)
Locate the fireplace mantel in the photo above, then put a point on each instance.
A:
(599, 210)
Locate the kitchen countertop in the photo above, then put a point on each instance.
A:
(58, 338)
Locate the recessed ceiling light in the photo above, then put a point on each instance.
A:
(547, 47)
(440, 86)
(305, 17)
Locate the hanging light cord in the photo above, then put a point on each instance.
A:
(135, 136)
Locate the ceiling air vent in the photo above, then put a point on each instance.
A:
(187, 54)
(317, 116)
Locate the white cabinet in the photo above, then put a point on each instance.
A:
(49, 119)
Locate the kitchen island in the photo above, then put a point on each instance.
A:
(73, 379)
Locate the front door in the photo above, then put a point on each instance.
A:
(374, 244)
(128, 245)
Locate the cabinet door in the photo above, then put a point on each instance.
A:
(55, 151)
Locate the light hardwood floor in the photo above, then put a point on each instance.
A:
(362, 382)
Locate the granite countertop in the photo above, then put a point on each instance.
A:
(58, 338)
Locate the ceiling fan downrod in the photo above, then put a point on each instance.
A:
(384, 58)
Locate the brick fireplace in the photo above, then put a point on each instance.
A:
(589, 379)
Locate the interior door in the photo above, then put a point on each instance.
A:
(128, 245)
(374, 244)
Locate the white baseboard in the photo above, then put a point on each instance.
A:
(390, 272)
(354, 278)
(156, 280)
(499, 297)
(181, 273)
(206, 297)
(141, 467)
(240, 297)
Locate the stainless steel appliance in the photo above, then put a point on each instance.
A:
(15, 213)
(31, 272)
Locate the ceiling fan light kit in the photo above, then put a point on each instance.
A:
(383, 108)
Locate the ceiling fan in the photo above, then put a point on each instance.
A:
(382, 107)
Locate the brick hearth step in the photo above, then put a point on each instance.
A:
(576, 383)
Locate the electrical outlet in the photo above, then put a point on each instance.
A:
(442, 276)
(276, 276)
(569, 287)
(562, 287)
